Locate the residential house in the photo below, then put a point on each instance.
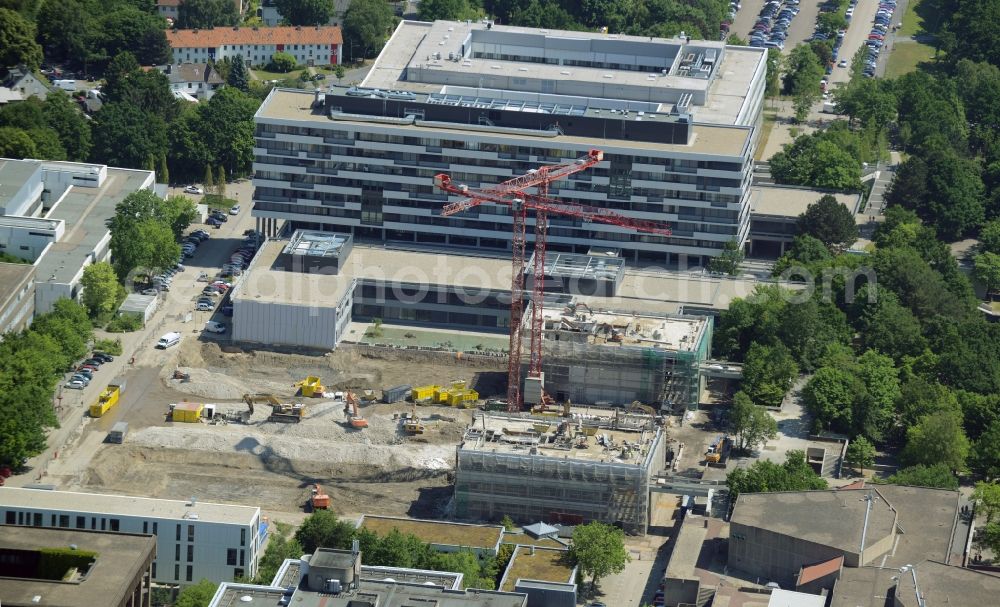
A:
(199, 80)
(24, 83)
(257, 45)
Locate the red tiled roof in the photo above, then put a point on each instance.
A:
(214, 38)
(858, 484)
(815, 572)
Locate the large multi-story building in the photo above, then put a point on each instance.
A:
(678, 121)
(320, 45)
(194, 540)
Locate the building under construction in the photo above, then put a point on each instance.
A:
(592, 464)
(609, 357)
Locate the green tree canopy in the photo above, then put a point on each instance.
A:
(830, 222)
(16, 143)
(322, 529)
(750, 424)
(282, 62)
(196, 595)
(226, 128)
(126, 136)
(727, 262)
(305, 12)
(598, 550)
(69, 124)
(937, 438)
(238, 76)
(986, 269)
(938, 476)
(816, 161)
(984, 458)
(17, 41)
(280, 546)
(765, 476)
(367, 24)
(986, 497)
(101, 290)
(768, 372)
(860, 453)
(451, 10)
(206, 14)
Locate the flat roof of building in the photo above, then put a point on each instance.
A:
(687, 547)
(531, 563)
(13, 174)
(120, 558)
(124, 505)
(444, 533)
(297, 105)
(642, 290)
(829, 517)
(942, 584)
(312, 243)
(863, 587)
(416, 58)
(500, 433)
(31, 223)
(788, 201)
(136, 303)
(927, 517)
(616, 329)
(400, 594)
(86, 212)
(12, 277)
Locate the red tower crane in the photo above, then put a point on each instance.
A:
(512, 193)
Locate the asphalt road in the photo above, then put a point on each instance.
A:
(857, 35)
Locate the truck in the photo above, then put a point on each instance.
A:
(118, 432)
(66, 85)
(108, 398)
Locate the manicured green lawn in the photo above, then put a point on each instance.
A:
(905, 56)
(912, 22)
(266, 75)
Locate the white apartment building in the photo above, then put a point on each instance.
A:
(194, 540)
(678, 121)
(257, 45)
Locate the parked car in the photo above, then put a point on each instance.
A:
(212, 221)
(84, 376)
(105, 357)
(843, 63)
(215, 327)
(234, 210)
(193, 189)
(75, 385)
(204, 306)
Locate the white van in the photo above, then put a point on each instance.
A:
(170, 339)
(66, 85)
(215, 327)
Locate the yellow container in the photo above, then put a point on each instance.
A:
(311, 386)
(107, 399)
(424, 392)
(187, 412)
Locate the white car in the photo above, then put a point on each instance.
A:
(235, 210)
(215, 327)
(193, 189)
(75, 385)
(205, 307)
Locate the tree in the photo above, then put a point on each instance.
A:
(508, 523)
(178, 213)
(750, 424)
(16, 143)
(449, 10)
(986, 269)
(126, 136)
(831, 23)
(937, 438)
(339, 72)
(322, 529)
(891, 328)
(989, 237)
(366, 25)
(768, 372)
(756, 319)
(142, 33)
(226, 127)
(220, 181)
(69, 124)
(985, 457)
(598, 550)
(305, 12)
(101, 291)
(196, 595)
(238, 77)
(806, 251)
(208, 182)
(162, 171)
(829, 396)
(159, 247)
(17, 41)
(860, 454)
(279, 547)
(937, 476)
(727, 262)
(986, 498)
(817, 161)
(829, 222)
(765, 476)
(282, 62)
(206, 14)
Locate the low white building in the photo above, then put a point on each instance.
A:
(199, 80)
(194, 540)
(320, 45)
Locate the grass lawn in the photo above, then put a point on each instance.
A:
(905, 56)
(769, 120)
(266, 75)
(912, 22)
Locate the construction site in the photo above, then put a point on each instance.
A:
(587, 463)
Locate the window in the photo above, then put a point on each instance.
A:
(145, 527)
(104, 524)
(177, 552)
(190, 533)
(177, 572)
(243, 557)
(81, 522)
(190, 553)
(190, 572)
(64, 520)
(243, 537)
(154, 528)
(53, 520)
(93, 523)
(38, 520)
(237, 573)
(153, 573)
(231, 556)
(11, 517)
(114, 524)
(178, 538)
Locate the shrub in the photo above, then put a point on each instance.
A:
(109, 346)
(125, 323)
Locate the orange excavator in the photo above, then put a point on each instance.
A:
(354, 417)
(319, 500)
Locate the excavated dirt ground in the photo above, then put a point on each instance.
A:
(271, 465)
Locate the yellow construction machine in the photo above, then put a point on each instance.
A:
(412, 425)
(280, 412)
(354, 417)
